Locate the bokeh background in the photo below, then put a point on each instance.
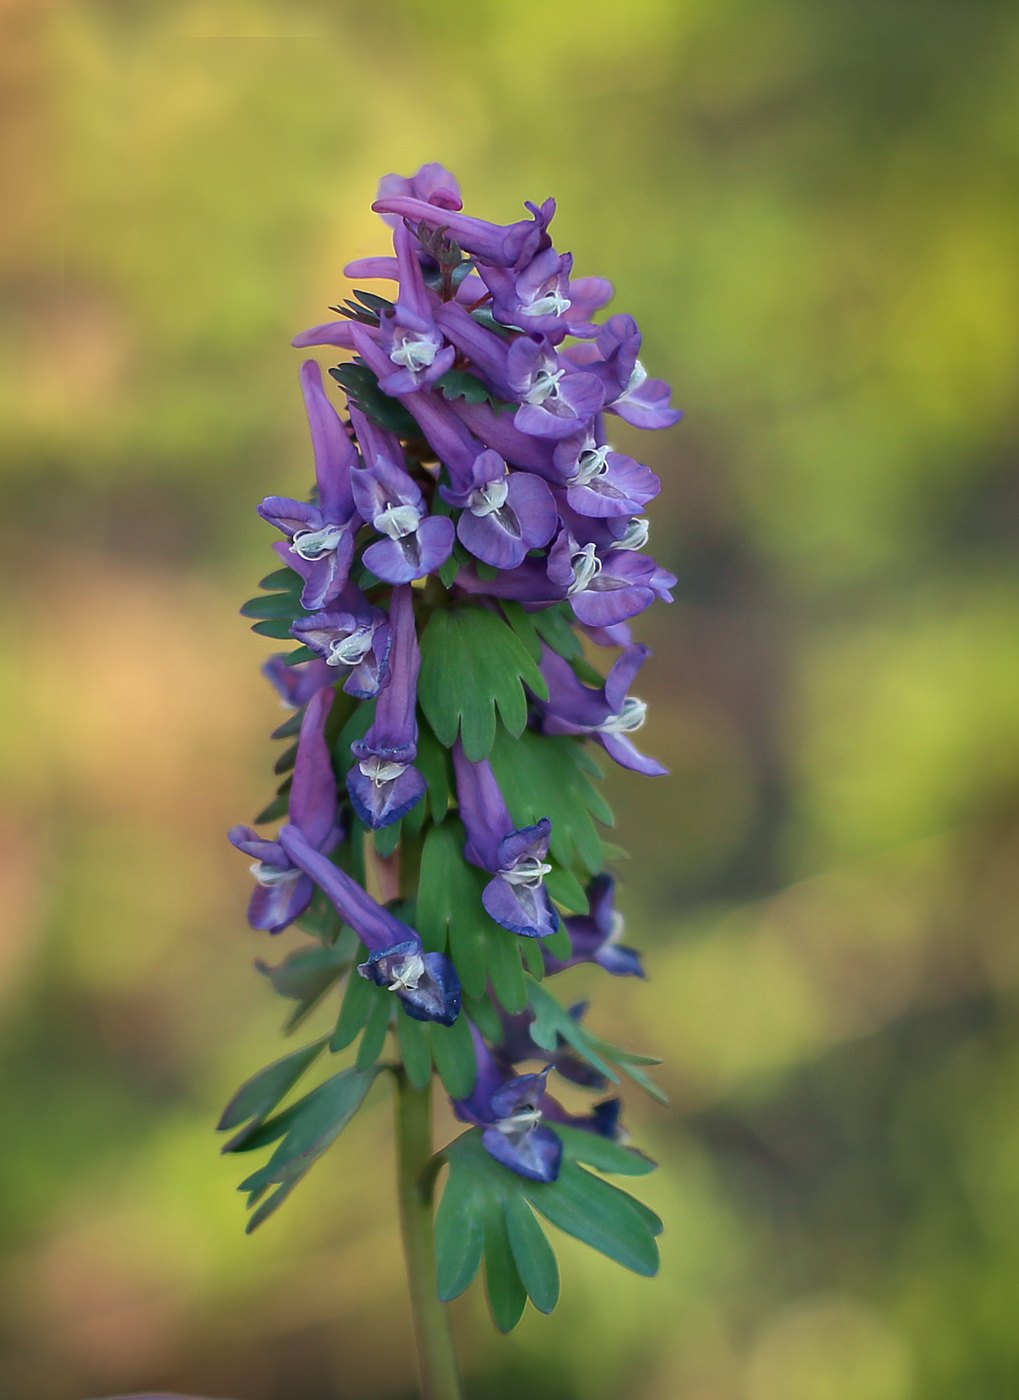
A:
(810, 206)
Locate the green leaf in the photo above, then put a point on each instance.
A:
(433, 761)
(453, 1052)
(531, 954)
(290, 726)
(523, 625)
(547, 776)
(449, 909)
(507, 1295)
(598, 1213)
(552, 1021)
(359, 999)
(276, 605)
(278, 807)
(321, 919)
(459, 1229)
(461, 384)
(355, 728)
(375, 1031)
(387, 838)
(554, 626)
(585, 672)
(473, 665)
(306, 975)
(504, 969)
(449, 570)
(484, 1015)
(415, 1049)
(610, 852)
(362, 386)
(566, 889)
(287, 579)
(602, 1153)
(286, 760)
(278, 628)
(559, 944)
(307, 1129)
(534, 1256)
(259, 1095)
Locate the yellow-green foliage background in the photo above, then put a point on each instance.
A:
(810, 205)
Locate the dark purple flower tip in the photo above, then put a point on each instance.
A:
(383, 790)
(594, 937)
(297, 684)
(426, 983)
(532, 1152)
(603, 1118)
(404, 557)
(352, 643)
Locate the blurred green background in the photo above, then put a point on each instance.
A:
(810, 206)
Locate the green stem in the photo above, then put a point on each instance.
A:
(440, 1376)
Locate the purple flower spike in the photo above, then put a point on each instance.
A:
(354, 638)
(594, 937)
(384, 785)
(509, 1109)
(508, 245)
(516, 898)
(283, 891)
(426, 983)
(600, 482)
(391, 501)
(555, 399)
(608, 715)
(321, 537)
(504, 514)
(409, 335)
(297, 684)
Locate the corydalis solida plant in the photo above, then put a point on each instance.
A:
(469, 524)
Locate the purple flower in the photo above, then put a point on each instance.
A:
(497, 431)
(433, 183)
(297, 684)
(409, 335)
(509, 1108)
(594, 937)
(555, 399)
(629, 392)
(508, 245)
(516, 1045)
(504, 514)
(603, 1118)
(608, 715)
(339, 333)
(321, 537)
(600, 482)
(426, 983)
(385, 785)
(606, 586)
(391, 501)
(354, 636)
(542, 297)
(516, 898)
(283, 891)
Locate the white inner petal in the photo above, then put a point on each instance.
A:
(397, 521)
(312, 544)
(553, 303)
(627, 720)
(586, 566)
(528, 871)
(268, 875)
(519, 1124)
(636, 535)
(618, 928)
(352, 649)
(381, 770)
(414, 350)
(544, 385)
(407, 973)
(637, 377)
(592, 462)
(488, 498)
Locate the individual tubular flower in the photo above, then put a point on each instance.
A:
(426, 983)
(543, 298)
(409, 336)
(282, 890)
(555, 399)
(433, 183)
(321, 536)
(594, 937)
(606, 586)
(384, 785)
(504, 515)
(609, 715)
(516, 898)
(391, 501)
(507, 245)
(509, 1108)
(600, 482)
(516, 1045)
(354, 638)
(629, 392)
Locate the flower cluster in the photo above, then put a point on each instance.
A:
(471, 525)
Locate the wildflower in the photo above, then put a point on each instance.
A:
(506, 245)
(354, 638)
(509, 1107)
(409, 335)
(595, 937)
(608, 715)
